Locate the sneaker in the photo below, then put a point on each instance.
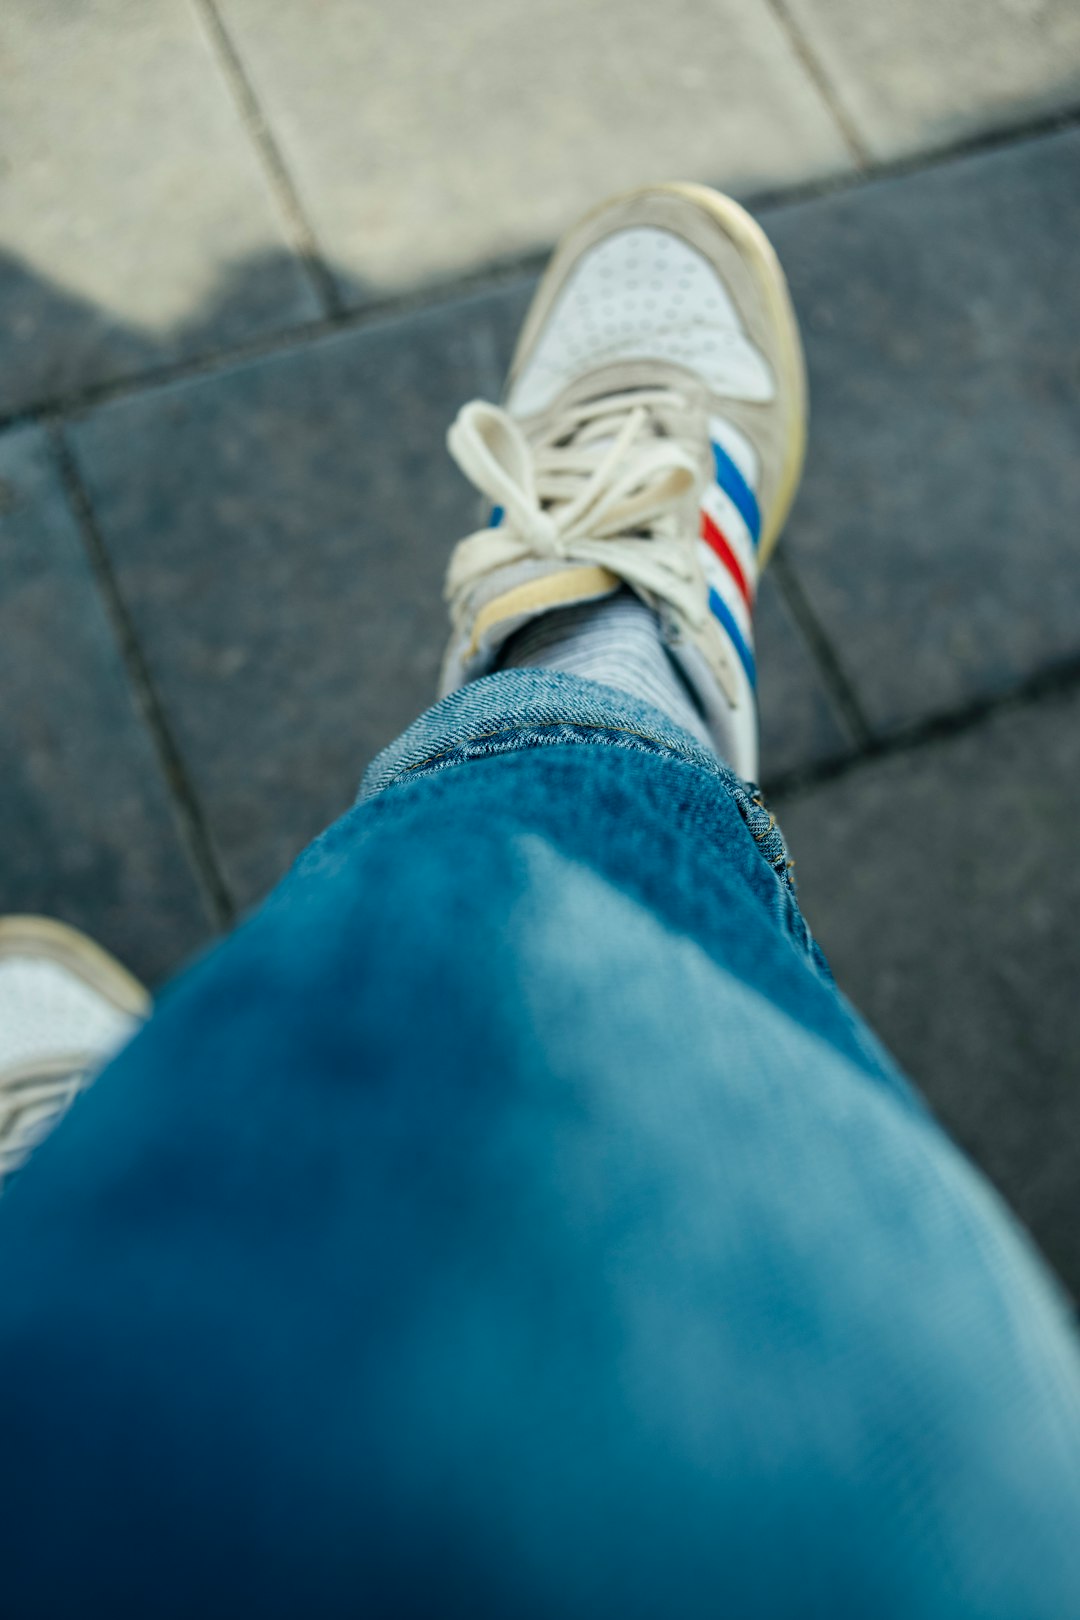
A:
(65, 1008)
(652, 436)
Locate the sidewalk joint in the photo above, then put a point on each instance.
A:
(1060, 679)
(838, 683)
(191, 822)
(815, 70)
(286, 195)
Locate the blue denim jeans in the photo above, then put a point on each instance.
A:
(512, 1219)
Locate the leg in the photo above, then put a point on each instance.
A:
(512, 1218)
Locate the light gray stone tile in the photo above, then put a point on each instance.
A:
(925, 73)
(944, 888)
(423, 142)
(135, 225)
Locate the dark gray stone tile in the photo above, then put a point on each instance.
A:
(136, 226)
(936, 530)
(54, 343)
(942, 886)
(86, 832)
(280, 533)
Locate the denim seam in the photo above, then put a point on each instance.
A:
(537, 725)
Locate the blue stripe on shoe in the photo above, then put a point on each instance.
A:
(737, 490)
(722, 612)
(497, 515)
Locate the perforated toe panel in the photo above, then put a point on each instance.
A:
(46, 1010)
(643, 294)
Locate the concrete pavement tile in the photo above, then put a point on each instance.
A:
(135, 225)
(942, 887)
(924, 74)
(86, 831)
(479, 130)
(280, 533)
(935, 533)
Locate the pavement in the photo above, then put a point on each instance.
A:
(255, 253)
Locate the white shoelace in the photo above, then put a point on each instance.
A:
(603, 488)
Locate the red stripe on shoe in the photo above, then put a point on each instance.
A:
(716, 543)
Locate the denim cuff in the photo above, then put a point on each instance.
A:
(529, 708)
(538, 708)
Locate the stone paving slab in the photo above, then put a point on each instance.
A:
(935, 533)
(426, 142)
(942, 886)
(86, 830)
(135, 224)
(926, 73)
(280, 533)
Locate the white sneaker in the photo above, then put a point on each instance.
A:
(653, 435)
(66, 1006)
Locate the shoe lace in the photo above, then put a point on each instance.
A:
(608, 484)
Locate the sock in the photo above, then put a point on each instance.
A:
(616, 641)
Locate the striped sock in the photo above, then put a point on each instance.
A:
(617, 642)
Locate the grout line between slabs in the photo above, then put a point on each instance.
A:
(815, 71)
(273, 162)
(191, 822)
(838, 683)
(1058, 680)
(489, 278)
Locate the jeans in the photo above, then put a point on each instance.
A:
(512, 1219)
